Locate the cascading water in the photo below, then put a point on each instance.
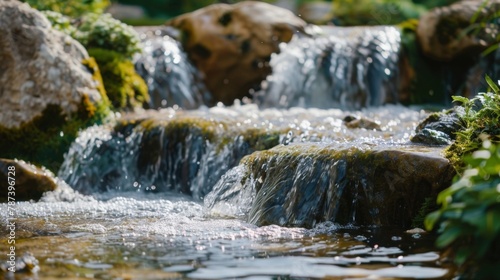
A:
(348, 68)
(170, 76)
(236, 158)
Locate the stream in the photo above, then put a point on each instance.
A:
(155, 194)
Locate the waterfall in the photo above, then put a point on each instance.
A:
(349, 68)
(162, 150)
(303, 184)
(170, 76)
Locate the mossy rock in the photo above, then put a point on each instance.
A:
(44, 140)
(29, 182)
(300, 185)
(124, 87)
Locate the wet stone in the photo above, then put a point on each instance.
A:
(301, 185)
(439, 128)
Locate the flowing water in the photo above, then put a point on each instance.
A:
(142, 181)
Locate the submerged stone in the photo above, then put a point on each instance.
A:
(189, 151)
(301, 185)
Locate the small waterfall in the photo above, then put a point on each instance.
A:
(347, 68)
(170, 76)
(189, 151)
(303, 184)
(162, 150)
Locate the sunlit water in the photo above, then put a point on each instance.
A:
(132, 233)
(134, 225)
(167, 236)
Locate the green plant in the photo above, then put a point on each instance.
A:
(105, 32)
(60, 22)
(481, 117)
(124, 87)
(375, 12)
(469, 218)
(72, 8)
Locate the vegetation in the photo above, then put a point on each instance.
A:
(105, 32)
(124, 87)
(100, 34)
(481, 117)
(71, 8)
(98, 31)
(374, 12)
(468, 220)
(50, 134)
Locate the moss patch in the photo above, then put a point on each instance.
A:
(124, 87)
(45, 139)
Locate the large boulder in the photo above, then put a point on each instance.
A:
(232, 44)
(46, 90)
(443, 35)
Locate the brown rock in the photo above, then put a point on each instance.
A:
(232, 44)
(39, 66)
(441, 31)
(28, 181)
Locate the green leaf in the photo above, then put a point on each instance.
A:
(494, 87)
(461, 99)
(431, 220)
(449, 235)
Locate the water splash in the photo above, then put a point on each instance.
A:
(170, 76)
(348, 68)
(301, 184)
(189, 151)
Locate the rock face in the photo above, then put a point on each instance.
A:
(440, 31)
(303, 184)
(30, 182)
(40, 66)
(232, 44)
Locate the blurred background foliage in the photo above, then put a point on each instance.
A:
(340, 12)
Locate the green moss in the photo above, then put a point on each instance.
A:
(124, 87)
(45, 139)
